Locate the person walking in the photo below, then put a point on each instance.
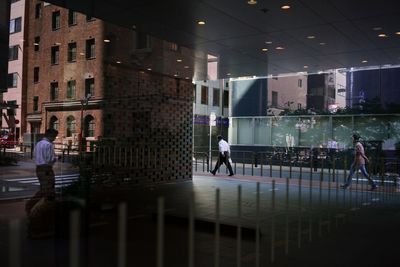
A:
(224, 156)
(360, 159)
(45, 158)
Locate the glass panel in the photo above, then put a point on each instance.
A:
(262, 131)
(342, 131)
(245, 131)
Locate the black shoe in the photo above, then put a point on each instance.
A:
(213, 173)
(344, 186)
(230, 174)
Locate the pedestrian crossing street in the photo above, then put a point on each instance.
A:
(61, 180)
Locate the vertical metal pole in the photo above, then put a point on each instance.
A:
(273, 222)
(15, 244)
(239, 228)
(122, 224)
(160, 232)
(287, 218)
(191, 230)
(209, 148)
(74, 223)
(243, 162)
(217, 229)
(299, 226)
(258, 225)
(270, 167)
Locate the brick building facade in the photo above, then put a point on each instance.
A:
(140, 88)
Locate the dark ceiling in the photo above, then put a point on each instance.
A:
(346, 31)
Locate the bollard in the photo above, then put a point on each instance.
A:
(217, 229)
(191, 231)
(160, 232)
(258, 225)
(74, 249)
(299, 226)
(239, 228)
(15, 243)
(273, 222)
(287, 218)
(122, 225)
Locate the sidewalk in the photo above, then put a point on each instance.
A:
(367, 236)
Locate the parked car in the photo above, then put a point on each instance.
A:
(7, 141)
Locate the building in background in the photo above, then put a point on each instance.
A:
(326, 91)
(374, 87)
(13, 117)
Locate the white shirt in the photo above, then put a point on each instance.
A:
(223, 146)
(44, 153)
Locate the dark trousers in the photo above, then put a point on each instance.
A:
(223, 158)
(46, 178)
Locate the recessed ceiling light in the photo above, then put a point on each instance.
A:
(364, 61)
(176, 75)
(186, 67)
(285, 7)
(311, 37)
(118, 62)
(322, 43)
(35, 43)
(377, 28)
(398, 33)
(252, 2)
(279, 48)
(228, 74)
(149, 69)
(268, 42)
(141, 71)
(264, 49)
(179, 60)
(201, 22)
(107, 40)
(305, 66)
(382, 35)
(82, 54)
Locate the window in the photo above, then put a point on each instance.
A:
(38, 10)
(72, 18)
(71, 89)
(13, 1)
(204, 95)
(89, 87)
(71, 52)
(12, 80)
(36, 74)
(54, 123)
(216, 97)
(55, 22)
(274, 102)
(90, 48)
(35, 103)
(142, 40)
(89, 126)
(300, 83)
(15, 25)
(13, 52)
(298, 105)
(12, 111)
(194, 93)
(55, 55)
(36, 43)
(226, 99)
(71, 125)
(54, 91)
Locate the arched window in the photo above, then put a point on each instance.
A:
(54, 123)
(71, 126)
(89, 126)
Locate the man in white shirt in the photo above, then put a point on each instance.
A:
(45, 158)
(224, 156)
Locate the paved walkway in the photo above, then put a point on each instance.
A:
(365, 233)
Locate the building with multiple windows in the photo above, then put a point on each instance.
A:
(12, 117)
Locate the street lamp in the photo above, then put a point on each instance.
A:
(84, 104)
